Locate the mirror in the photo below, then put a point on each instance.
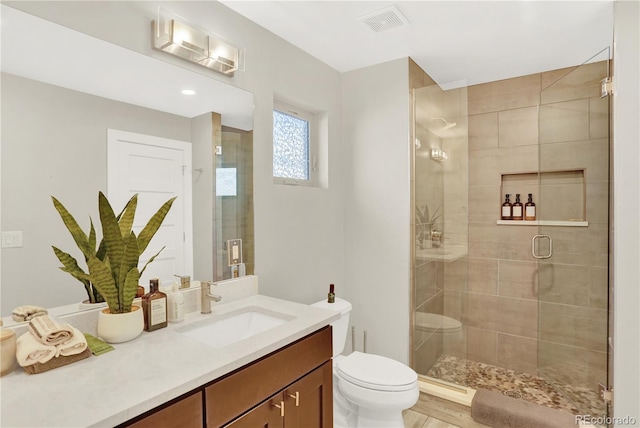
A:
(57, 105)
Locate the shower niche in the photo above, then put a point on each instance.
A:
(560, 196)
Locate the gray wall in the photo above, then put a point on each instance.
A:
(377, 205)
(626, 202)
(54, 142)
(298, 230)
(203, 189)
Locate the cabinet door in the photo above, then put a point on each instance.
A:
(186, 413)
(269, 414)
(231, 396)
(309, 401)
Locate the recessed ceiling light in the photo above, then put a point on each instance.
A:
(188, 92)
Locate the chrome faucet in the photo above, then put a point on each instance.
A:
(206, 297)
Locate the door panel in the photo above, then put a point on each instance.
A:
(572, 209)
(309, 401)
(157, 170)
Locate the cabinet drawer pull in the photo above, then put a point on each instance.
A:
(281, 407)
(297, 397)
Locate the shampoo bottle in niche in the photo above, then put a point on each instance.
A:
(154, 305)
(331, 297)
(507, 209)
(517, 212)
(530, 209)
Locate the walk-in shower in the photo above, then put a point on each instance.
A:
(511, 305)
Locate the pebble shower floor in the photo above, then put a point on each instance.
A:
(518, 385)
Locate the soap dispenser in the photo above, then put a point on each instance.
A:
(507, 209)
(154, 306)
(175, 304)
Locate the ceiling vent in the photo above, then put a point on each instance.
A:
(384, 19)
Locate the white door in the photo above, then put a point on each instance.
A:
(157, 169)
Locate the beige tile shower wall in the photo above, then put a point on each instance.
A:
(236, 212)
(566, 332)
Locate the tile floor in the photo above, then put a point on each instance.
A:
(414, 419)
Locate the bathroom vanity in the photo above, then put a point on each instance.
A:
(290, 387)
(279, 375)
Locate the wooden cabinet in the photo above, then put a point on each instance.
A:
(184, 413)
(267, 415)
(231, 396)
(304, 404)
(309, 401)
(289, 388)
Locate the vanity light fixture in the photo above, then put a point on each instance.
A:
(439, 155)
(174, 35)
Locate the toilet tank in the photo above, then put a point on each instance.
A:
(341, 325)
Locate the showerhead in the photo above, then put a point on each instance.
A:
(447, 124)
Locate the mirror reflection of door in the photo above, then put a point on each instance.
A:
(157, 169)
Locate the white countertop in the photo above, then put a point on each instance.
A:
(137, 376)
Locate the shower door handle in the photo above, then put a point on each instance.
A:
(533, 247)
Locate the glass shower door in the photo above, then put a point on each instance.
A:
(440, 268)
(572, 209)
(233, 198)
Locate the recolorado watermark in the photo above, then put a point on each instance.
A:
(606, 420)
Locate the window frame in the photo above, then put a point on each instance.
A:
(311, 119)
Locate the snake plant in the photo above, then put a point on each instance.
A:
(113, 267)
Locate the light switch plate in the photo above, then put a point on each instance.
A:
(234, 250)
(12, 239)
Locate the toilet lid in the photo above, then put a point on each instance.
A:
(376, 372)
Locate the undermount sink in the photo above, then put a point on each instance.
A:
(226, 329)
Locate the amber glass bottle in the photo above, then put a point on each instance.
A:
(530, 209)
(154, 305)
(507, 209)
(517, 213)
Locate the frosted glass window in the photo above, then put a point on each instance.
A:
(290, 146)
(226, 182)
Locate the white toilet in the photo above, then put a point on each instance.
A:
(369, 391)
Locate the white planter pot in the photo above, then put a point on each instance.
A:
(118, 328)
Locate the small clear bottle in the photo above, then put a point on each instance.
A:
(154, 305)
(507, 209)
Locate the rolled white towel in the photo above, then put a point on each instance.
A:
(50, 332)
(27, 312)
(29, 350)
(73, 346)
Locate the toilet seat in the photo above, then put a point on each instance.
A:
(376, 372)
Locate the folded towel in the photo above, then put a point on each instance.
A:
(27, 312)
(29, 350)
(75, 345)
(49, 331)
(97, 346)
(57, 362)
